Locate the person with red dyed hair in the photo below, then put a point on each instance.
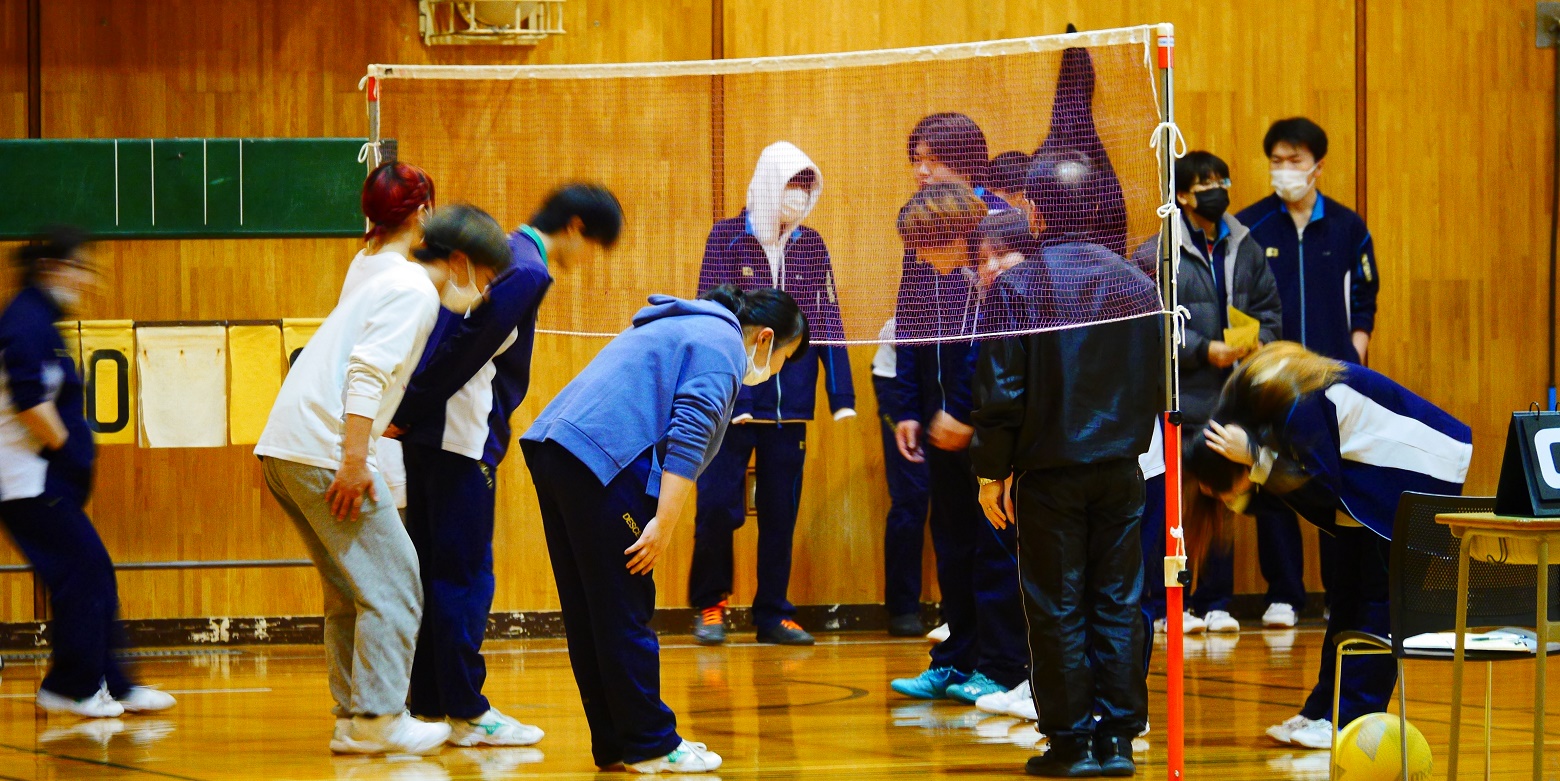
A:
(396, 198)
(318, 452)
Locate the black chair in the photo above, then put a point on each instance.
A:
(1423, 592)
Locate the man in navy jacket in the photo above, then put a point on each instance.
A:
(768, 246)
(1324, 261)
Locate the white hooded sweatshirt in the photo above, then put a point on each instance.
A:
(777, 164)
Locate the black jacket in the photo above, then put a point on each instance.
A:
(1251, 289)
(1077, 394)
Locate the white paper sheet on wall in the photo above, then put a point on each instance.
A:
(183, 372)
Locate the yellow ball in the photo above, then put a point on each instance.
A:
(1369, 750)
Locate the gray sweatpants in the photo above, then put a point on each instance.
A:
(373, 595)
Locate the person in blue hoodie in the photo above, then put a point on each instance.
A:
(453, 423)
(614, 458)
(935, 327)
(1324, 261)
(1339, 444)
(768, 246)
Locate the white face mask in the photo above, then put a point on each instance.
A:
(1291, 184)
(793, 205)
(461, 298)
(756, 375)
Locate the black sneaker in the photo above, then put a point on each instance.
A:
(907, 625)
(709, 626)
(1067, 758)
(1115, 756)
(788, 632)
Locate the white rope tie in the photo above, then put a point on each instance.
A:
(369, 148)
(1182, 314)
(1177, 140)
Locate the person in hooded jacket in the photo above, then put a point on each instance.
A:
(1221, 266)
(768, 246)
(613, 459)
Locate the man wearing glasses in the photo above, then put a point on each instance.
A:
(1221, 266)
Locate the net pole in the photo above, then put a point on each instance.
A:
(371, 95)
(1175, 734)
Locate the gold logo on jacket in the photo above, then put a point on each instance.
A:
(633, 527)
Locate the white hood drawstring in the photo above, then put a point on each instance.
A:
(777, 164)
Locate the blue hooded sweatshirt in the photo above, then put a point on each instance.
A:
(669, 382)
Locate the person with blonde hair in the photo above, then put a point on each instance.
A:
(935, 321)
(1339, 444)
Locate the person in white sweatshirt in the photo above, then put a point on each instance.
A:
(317, 452)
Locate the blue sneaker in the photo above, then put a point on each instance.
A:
(930, 685)
(973, 688)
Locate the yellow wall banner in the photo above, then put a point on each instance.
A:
(183, 372)
(70, 331)
(108, 373)
(296, 332)
(255, 361)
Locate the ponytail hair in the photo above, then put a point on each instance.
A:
(392, 194)
(765, 308)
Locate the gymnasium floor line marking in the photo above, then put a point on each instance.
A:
(684, 646)
(99, 762)
(169, 691)
(851, 693)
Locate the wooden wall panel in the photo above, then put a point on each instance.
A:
(257, 68)
(1460, 130)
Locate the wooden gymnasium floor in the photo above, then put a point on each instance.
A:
(773, 713)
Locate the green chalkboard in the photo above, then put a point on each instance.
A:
(183, 187)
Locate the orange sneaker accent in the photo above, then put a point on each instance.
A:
(789, 624)
(715, 614)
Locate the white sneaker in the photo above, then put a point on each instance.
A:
(1317, 734)
(144, 699)
(493, 729)
(939, 634)
(1192, 625)
(689, 757)
(1279, 615)
(1221, 621)
(342, 730)
(394, 734)
(1285, 733)
(999, 702)
(99, 706)
(1023, 709)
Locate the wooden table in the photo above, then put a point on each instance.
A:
(1467, 527)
